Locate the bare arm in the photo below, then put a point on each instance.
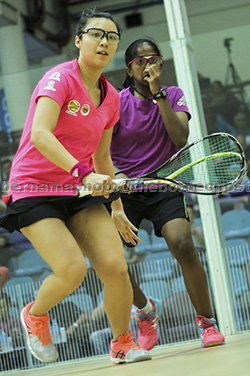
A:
(176, 123)
(102, 160)
(103, 164)
(42, 137)
(44, 123)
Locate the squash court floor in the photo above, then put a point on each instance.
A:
(189, 359)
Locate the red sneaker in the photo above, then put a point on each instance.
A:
(126, 351)
(38, 335)
(210, 335)
(147, 334)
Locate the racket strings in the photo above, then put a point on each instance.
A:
(216, 161)
(217, 170)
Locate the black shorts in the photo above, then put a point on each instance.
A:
(157, 207)
(24, 212)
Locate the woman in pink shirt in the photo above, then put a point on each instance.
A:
(67, 133)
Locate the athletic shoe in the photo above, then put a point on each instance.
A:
(38, 335)
(210, 335)
(124, 350)
(147, 334)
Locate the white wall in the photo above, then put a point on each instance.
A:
(211, 55)
(211, 21)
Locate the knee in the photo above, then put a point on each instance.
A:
(183, 250)
(121, 270)
(115, 270)
(73, 273)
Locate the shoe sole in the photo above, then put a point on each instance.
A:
(137, 359)
(214, 344)
(28, 341)
(150, 347)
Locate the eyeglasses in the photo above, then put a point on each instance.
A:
(98, 34)
(140, 61)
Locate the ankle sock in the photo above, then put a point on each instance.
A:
(147, 308)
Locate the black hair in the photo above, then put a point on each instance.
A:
(94, 13)
(132, 52)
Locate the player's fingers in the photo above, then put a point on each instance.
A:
(124, 236)
(128, 238)
(132, 241)
(132, 234)
(103, 189)
(132, 227)
(109, 185)
(136, 237)
(97, 189)
(107, 189)
(132, 230)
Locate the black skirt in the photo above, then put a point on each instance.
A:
(25, 212)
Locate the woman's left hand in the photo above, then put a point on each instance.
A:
(152, 74)
(125, 228)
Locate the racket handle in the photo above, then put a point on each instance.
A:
(85, 191)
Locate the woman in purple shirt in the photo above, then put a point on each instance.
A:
(153, 126)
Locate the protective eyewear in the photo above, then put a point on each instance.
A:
(98, 34)
(143, 60)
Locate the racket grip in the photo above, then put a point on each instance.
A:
(85, 191)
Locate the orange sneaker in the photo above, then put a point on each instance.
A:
(124, 350)
(38, 335)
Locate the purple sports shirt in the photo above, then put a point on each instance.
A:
(140, 141)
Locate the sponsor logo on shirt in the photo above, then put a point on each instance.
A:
(182, 101)
(76, 173)
(85, 109)
(73, 107)
(55, 76)
(50, 86)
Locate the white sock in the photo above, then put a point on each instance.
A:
(147, 308)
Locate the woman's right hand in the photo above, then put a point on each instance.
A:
(99, 184)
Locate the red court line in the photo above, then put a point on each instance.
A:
(178, 353)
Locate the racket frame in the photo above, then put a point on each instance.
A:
(144, 181)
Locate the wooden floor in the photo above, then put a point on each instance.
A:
(175, 360)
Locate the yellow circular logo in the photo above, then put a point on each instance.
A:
(74, 106)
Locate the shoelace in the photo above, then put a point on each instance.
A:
(42, 330)
(145, 326)
(128, 339)
(203, 322)
(148, 316)
(211, 330)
